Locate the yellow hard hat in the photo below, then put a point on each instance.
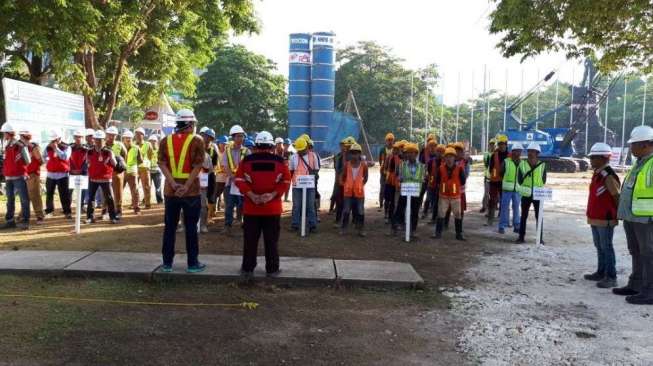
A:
(450, 151)
(459, 145)
(411, 147)
(398, 145)
(432, 142)
(305, 137)
(300, 144)
(441, 148)
(502, 139)
(430, 137)
(351, 140)
(389, 136)
(355, 147)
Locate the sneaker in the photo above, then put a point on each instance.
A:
(273, 274)
(199, 267)
(204, 229)
(639, 300)
(69, 216)
(607, 283)
(39, 221)
(90, 220)
(49, 215)
(520, 241)
(9, 225)
(23, 226)
(166, 268)
(624, 291)
(105, 217)
(247, 275)
(114, 221)
(596, 276)
(362, 234)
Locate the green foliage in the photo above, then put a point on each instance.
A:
(242, 87)
(618, 32)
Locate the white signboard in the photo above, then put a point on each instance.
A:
(305, 181)
(615, 159)
(543, 194)
(298, 57)
(323, 40)
(42, 109)
(204, 180)
(410, 189)
(79, 181)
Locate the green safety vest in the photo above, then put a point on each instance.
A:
(534, 179)
(154, 163)
(642, 204)
(230, 158)
(132, 160)
(117, 148)
(510, 183)
(486, 164)
(410, 178)
(145, 148)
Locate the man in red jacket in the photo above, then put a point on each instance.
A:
(262, 178)
(17, 158)
(57, 155)
(101, 162)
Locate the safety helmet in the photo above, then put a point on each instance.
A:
(278, 140)
(223, 140)
(264, 138)
(641, 133)
(210, 133)
(459, 145)
(287, 141)
(153, 137)
(517, 146)
(351, 140)
(112, 130)
(249, 143)
(600, 149)
(432, 142)
(450, 151)
(534, 146)
(502, 139)
(99, 134)
(389, 136)
(203, 129)
(441, 148)
(430, 137)
(493, 141)
(300, 144)
(235, 129)
(24, 131)
(127, 134)
(78, 133)
(355, 147)
(140, 130)
(8, 128)
(185, 115)
(411, 147)
(54, 135)
(90, 132)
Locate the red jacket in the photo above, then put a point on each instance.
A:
(34, 166)
(14, 165)
(77, 159)
(54, 164)
(600, 204)
(100, 167)
(262, 173)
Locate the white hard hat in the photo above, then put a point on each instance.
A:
(236, 129)
(128, 134)
(153, 137)
(185, 115)
(600, 149)
(203, 129)
(641, 133)
(24, 131)
(54, 134)
(99, 134)
(112, 130)
(78, 133)
(264, 138)
(8, 128)
(90, 132)
(278, 140)
(516, 146)
(534, 146)
(140, 130)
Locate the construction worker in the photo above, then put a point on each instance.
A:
(212, 151)
(101, 162)
(636, 211)
(220, 172)
(182, 188)
(78, 166)
(263, 178)
(57, 164)
(17, 159)
(147, 154)
(602, 204)
(339, 164)
(234, 153)
(118, 177)
(304, 162)
(496, 176)
(509, 190)
(286, 155)
(424, 157)
(155, 172)
(432, 147)
(450, 180)
(432, 172)
(134, 159)
(206, 175)
(390, 167)
(353, 179)
(278, 146)
(383, 156)
(531, 174)
(89, 134)
(409, 171)
(34, 174)
(486, 174)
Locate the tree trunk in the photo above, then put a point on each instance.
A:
(86, 59)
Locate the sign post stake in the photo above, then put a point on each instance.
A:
(409, 190)
(540, 219)
(304, 182)
(304, 211)
(408, 199)
(541, 194)
(80, 182)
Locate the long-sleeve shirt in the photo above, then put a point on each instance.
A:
(63, 154)
(24, 155)
(625, 210)
(262, 173)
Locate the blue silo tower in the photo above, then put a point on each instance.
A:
(323, 89)
(299, 85)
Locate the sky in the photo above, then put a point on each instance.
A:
(452, 34)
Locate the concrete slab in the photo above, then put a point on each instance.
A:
(38, 260)
(115, 263)
(217, 266)
(377, 273)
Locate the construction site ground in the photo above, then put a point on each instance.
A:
(486, 300)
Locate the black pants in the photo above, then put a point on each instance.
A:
(108, 198)
(401, 212)
(389, 192)
(252, 228)
(210, 189)
(525, 207)
(64, 194)
(173, 207)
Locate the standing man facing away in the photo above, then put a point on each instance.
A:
(181, 156)
(17, 158)
(602, 204)
(509, 190)
(263, 178)
(383, 156)
(155, 172)
(118, 177)
(486, 174)
(58, 169)
(531, 174)
(636, 211)
(235, 152)
(496, 176)
(34, 175)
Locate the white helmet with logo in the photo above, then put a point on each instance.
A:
(99, 134)
(54, 135)
(112, 130)
(235, 129)
(185, 115)
(78, 133)
(534, 146)
(127, 134)
(264, 138)
(600, 149)
(8, 128)
(140, 130)
(516, 146)
(90, 132)
(641, 133)
(278, 140)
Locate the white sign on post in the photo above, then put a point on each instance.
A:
(79, 183)
(542, 194)
(304, 182)
(409, 190)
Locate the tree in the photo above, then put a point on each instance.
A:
(242, 87)
(619, 32)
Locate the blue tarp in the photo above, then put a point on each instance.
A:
(342, 125)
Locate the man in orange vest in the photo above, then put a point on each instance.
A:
(353, 179)
(383, 156)
(450, 180)
(496, 176)
(181, 156)
(389, 170)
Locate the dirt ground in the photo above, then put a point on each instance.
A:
(485, 301)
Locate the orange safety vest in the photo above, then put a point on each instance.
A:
(450, 186)
(354, 187)
(391, 174)
(494, 174)
(301, 168)
(178, 145)
(435, 169)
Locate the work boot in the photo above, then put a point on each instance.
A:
(393, 231)
(625, 291)
(520, 240)
(9, 225)
(445, 222)
(596, 276)
(639, 299)
(438, 228)
(607, 283)
(482, 210)
(459, 230)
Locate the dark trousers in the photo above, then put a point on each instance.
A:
(210, 189)
(191, 206)
(357, 208)
(253, 226)
(108, 198)
(64, 194)
(19, 186)
(156, 177)
(389, 192)
(381, 189)
(639, 237)
(401, 211)
(525, 207)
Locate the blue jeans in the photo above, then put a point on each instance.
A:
(173, 207)
(311, 215)
(602, 236)
(12, 186)
(232, 201)
(504, 217)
